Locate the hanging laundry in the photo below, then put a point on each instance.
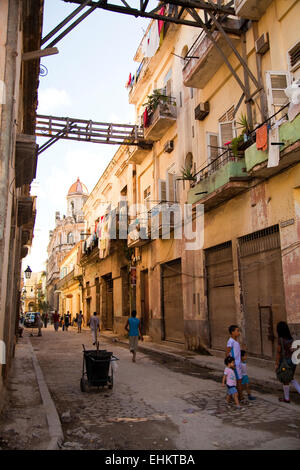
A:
(262, 138)
(294, 110)
(161, 26)
(146, 118)
(274, 150)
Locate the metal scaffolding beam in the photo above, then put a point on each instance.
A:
(88, 131)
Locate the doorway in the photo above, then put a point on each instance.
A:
(145, 302)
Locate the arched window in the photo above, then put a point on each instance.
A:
(72, 207)
(189, 161)
(70, 238)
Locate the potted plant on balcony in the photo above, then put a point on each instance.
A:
(154, 100)
(244, 140)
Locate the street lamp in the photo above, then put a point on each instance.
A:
(28, 272)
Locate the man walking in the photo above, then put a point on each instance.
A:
(55, 320)
(133, 326)
(79, 321)
(95, 326)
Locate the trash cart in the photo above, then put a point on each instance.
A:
(97, 370)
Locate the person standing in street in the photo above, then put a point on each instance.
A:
(39, 324)
(284, 361)
(45, 320)
(79, 322)
(133, 326)
(55, 320)
(234, 350)
(67, 320)
(95, 326)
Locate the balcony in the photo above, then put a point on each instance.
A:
(26, 159)
(136, 89)
(251, 9)
(161, 119)
(139, 152)
(220, 181)
(205, 59)
(257, 160)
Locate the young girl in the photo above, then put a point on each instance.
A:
(229, 378)
(245, 378)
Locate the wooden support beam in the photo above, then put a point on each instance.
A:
(40, 53)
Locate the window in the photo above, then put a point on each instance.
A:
(162, 190)
(294, 57)
(276, 83)
(82, 235)
(147, 197)
(171, 186)
(212, 142)
(226, 127)
(70, 238)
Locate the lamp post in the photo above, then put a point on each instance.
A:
(28, 272)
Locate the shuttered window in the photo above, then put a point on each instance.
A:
(294, 57)
(227, 132)
(276, 82)
(162, 190)
(171, 187)
(212, 146)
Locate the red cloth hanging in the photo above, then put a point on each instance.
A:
(161, 22)
(146, 118)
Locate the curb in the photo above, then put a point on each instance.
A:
(54, 424)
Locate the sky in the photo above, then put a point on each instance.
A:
(85, 80)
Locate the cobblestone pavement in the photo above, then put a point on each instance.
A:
(156, 404)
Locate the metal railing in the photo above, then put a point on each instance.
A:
(220, 161)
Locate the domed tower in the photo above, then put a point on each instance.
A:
(76, 198)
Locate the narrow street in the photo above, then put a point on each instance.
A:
(155, 404)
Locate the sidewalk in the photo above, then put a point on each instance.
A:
(261, 372)
(29, 419)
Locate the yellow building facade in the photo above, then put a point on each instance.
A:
(69, 287)
(221, 135)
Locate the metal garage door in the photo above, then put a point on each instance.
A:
(221, 301)
(263, 292)
(172, 301)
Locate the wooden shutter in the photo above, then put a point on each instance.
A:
(212, 146)
(162, 190)
(227, 132)
(276, 82)
(171, 187)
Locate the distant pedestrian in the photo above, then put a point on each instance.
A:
(79, 321)
(245, 378)
(39, 324)
(133, 326)
(45, 320)
(55, 318)
(67, 320)
(95, 326)
(229, 379)
(234, 350)
(285, 368)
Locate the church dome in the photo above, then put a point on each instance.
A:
(78, 188)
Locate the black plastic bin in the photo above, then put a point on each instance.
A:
(97, 370)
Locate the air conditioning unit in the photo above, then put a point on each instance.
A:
(201, 111)
(169, 146)
(262, 45)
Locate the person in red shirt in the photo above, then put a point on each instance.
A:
(55, 320)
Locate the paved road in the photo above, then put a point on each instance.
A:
(156, 404)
